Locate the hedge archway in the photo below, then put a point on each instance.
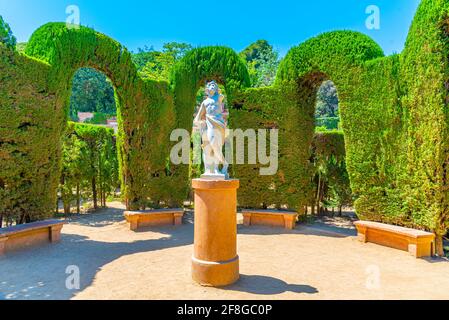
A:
(393, 110)
(200, 65)
(140, 104)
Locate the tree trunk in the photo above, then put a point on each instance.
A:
(340, 211)
(94, 192)
(78, 202)
(67, 208)
(318, 194)
(439, 247)
(1, 220)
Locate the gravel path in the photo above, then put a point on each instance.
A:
(311, 262)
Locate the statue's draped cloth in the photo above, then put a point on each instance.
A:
(214, 120)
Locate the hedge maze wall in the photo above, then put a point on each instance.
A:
(394, 114)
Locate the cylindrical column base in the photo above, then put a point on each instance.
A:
(215, 261)
(215, 274)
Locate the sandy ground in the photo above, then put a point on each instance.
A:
(312, 262)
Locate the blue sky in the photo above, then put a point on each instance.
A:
(234, 23)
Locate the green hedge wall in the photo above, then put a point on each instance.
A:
(29, 123)
(142, 139)
(199, 66)
(393, 110)
(394, 115)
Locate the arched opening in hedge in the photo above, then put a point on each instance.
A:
(92, 95)
(329, 187)
(89, 152)
(142, 138)
(327, 107)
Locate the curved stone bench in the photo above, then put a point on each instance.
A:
(418, 243)
(148, 218)
(273, 218)
(30, 234)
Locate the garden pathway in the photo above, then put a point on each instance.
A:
(311, 262)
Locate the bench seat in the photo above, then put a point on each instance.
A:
(30, 234)
(417, 242)
(273, 218)
(159, 217)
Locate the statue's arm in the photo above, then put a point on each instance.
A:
(201, 114)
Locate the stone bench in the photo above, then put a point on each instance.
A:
(148, 218)
(273, 218)
(30, 234)
(418, 243)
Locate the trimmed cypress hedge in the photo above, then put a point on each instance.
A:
(393, 109)
(30, 134)
(142, 139)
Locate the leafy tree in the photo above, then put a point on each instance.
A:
(159, 64)
(256, 51)
(143, 56)
(159, 68)
(262, 63)
(327, 100)
(89, 166)
(6, 35)
(176, 50)
(91, 92)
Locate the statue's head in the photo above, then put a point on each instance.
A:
(212, 89)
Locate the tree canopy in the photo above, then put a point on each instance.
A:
(6, 35)
(262, 61)
(91, 92)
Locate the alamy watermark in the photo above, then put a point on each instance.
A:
(72, 282)
(73, 17)
(373, 20)
(258, 150)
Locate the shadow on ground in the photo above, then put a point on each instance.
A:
(263, 285)
(300, 229)
(22, 278)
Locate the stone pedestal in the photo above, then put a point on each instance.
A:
(215, 261)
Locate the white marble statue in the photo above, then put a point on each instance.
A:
(212, 124)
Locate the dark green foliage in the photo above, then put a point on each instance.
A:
(90, 166)
(91, 92)
(262, 61)
(142, 141)
(142, 57)
(155, 65)
(332, 188)
(393, 110)
(328, 123)
(30, 131)
(192, 72)
(6, 36)
(275, 108)
(394, 115)
(326, 113)
(327, 101)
